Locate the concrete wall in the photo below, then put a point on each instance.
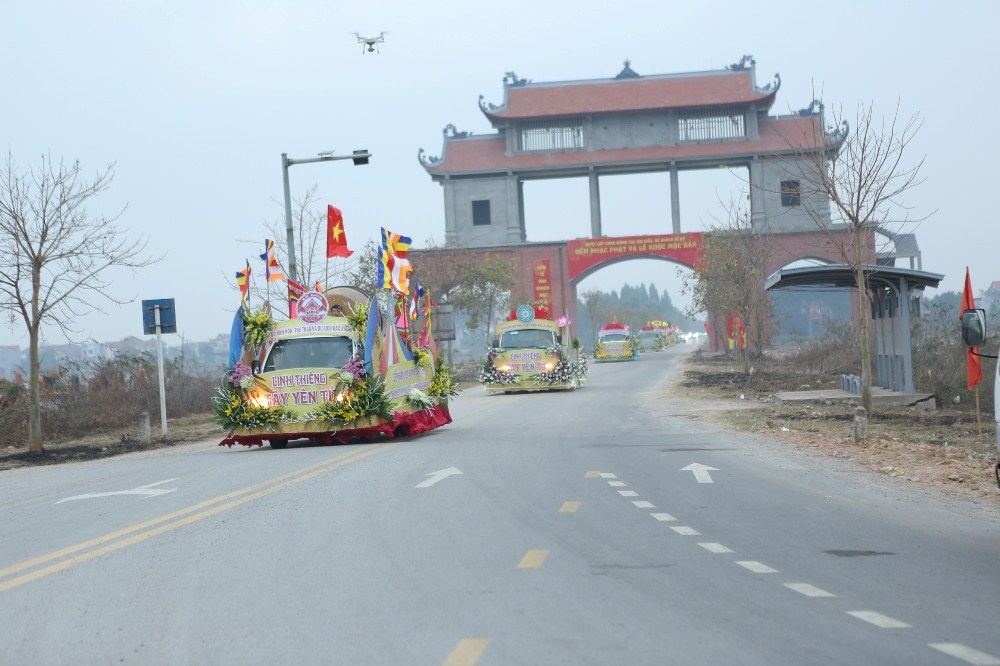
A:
(766, 176)
(506, 218)
(629, 131)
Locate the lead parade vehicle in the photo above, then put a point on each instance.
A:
(335, 371)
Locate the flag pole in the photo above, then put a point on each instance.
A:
(979, 418)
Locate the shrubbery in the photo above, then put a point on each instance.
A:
(84, 399)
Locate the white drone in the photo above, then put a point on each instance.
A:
(371, 42)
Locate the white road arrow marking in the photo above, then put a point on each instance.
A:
(438, 476)
(701, 472)
(148, 490)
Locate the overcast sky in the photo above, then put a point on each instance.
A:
(196, 100)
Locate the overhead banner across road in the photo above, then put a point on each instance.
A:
(588, 253)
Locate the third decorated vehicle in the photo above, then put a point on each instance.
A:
(615, 342)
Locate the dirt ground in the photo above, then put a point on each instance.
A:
(940, 449)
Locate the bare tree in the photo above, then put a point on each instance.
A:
(484, 288)
(56, 256)
(309, 231)
(864, 176)
(731, 277)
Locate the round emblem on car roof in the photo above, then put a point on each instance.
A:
(312, 307)
(525, 313)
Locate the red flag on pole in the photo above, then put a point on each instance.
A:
(973, 366)
(336, 240)
(295, 290)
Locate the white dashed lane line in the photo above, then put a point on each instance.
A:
(879, 620)
(956, 650)
(966, 654)
(685, 530)
(808, 590)
(756, 567)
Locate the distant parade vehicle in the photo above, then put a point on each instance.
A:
(615, 342)
(657, 335)
(530, 353)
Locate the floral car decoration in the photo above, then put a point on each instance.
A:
(615, 342)
(656, 336)
(528, 355)
(336, 371)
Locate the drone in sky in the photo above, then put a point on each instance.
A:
(371, 42)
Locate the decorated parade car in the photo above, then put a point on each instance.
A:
(656, 336)
(615, 342)
(528, 354)
(337, 370)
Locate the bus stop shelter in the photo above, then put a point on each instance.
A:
(893, 296)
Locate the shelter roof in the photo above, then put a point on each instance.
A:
(526, 100)
(480, 154)
(842, 275)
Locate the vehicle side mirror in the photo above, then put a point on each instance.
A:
(255, 366)
(973, 327)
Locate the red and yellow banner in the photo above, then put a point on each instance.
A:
(542, 275)
(587, 253)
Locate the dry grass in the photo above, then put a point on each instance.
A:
(942, 449)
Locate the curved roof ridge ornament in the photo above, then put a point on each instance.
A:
(627, 72)
(745, 62)
(837, 135)
(451, 132)
(510, 79)
(486, 107)
(815, 108)
(773, 87)
(427, 160)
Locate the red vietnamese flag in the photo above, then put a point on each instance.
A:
(973, 366)
(336, 240)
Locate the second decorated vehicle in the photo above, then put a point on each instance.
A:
(528, 354)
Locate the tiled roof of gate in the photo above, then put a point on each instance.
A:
(487, 153)
(675, 91)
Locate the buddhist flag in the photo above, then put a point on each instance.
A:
(336, 240)
(295, 291)
(272, 269)
(973, 366)
(394, 268)
(418, 293)
(243, 282)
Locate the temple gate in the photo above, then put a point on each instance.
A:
(631, 124)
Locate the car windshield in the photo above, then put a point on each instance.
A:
(295, 353)
(533, 338)
(613, 337)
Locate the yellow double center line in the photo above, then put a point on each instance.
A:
(113, 541)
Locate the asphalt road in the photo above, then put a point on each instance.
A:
(598, 526)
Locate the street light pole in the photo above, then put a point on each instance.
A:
(358, 156)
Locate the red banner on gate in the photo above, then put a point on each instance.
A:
(586, 253)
